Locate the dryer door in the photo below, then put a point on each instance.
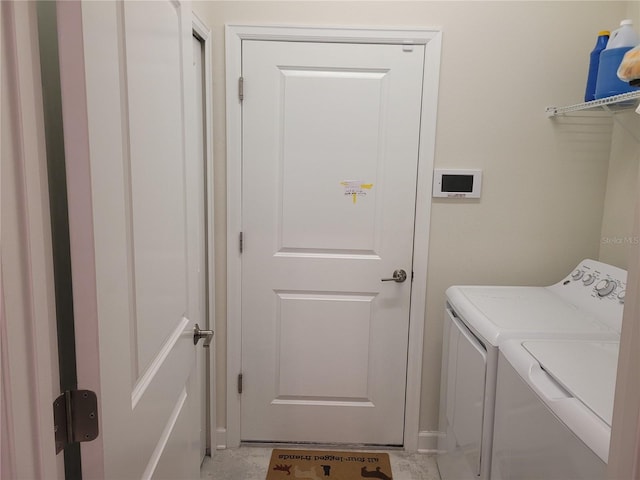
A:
(468, 391)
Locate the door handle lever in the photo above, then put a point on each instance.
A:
(198, 334)
(399, 276)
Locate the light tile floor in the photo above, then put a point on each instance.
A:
(251, 463)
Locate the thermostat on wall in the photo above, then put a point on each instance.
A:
(457, 183)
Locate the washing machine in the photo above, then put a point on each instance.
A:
(586, 304)
(554, 405)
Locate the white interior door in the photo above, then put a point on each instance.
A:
(330, 150)
(127, 84)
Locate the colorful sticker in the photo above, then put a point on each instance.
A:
(356, 188)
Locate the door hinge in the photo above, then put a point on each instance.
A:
(239, 383)
(75, 418)
(241, 88)
(241, 242)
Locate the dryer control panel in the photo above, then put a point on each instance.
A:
(598, 288)
(603, 284)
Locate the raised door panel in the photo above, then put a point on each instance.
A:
(333, 124)
(156, 176)
(324, 347)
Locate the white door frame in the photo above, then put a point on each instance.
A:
(204, 33)
(28, 342)
(431, 37)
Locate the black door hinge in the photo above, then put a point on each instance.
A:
(239, 383)
(75, 418)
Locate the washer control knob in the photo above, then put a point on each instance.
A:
(621, 296)
(577, 274)
(605, 287)
(588, 279)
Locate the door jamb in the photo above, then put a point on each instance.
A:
(431, 37)
(204, 33)
(28, 343)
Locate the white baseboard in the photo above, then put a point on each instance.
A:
(221, 438)
(428, 442)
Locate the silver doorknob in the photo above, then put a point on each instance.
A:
(399, 276)
(198, 334)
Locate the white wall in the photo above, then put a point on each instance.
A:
(544, 180)
(617, 239)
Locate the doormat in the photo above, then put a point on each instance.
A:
(324, 465)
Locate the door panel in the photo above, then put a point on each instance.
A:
(316, 153)
(309, 346)
(156, 195)
(330, 148)
(134, 226)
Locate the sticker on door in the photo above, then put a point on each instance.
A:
(356, 188)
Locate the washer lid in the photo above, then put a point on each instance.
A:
(499, 313)
(586, 369)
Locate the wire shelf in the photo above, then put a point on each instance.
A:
(625, 101)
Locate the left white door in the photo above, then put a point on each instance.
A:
(127, 86)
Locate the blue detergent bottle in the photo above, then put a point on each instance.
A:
(621, 41)
(594, 62)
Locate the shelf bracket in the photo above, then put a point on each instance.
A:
(611, 105)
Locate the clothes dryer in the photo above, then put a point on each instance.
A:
(586, 304)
